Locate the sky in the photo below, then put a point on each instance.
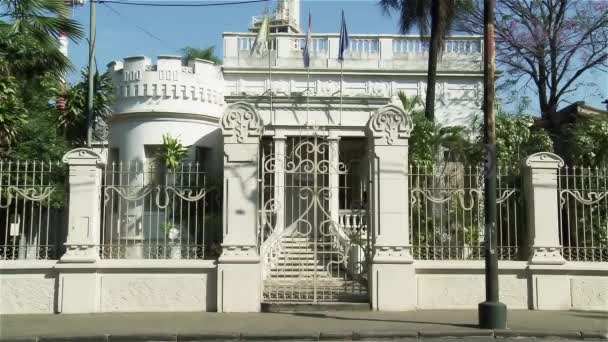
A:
(124, 31)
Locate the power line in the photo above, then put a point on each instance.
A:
(150, 34)
(151, 4)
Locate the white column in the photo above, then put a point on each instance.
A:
(393, 285)
(543, 208)
(334, 177)
(78, 286)
(386, 51)
(239, 277)
(279, 182)
(550, 284)
(84, 205)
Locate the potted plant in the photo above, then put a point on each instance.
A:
(174, 237)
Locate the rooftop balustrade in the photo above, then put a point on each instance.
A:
(461, 53)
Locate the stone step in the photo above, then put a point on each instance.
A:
(298, 274)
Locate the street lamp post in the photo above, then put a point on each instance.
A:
(492, 313)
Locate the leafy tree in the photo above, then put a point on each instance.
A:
(207, 53)
(12, 110)
(72, 118)
(590, 142)
(546, 45)
(430, 142)
(43, 21)
(439, 16)
(31, 64)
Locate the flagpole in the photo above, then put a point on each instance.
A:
(341, 81)
(270, 77)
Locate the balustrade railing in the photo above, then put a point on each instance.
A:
(151, 212)
(447, 213)
(583, 202)
(32, 198)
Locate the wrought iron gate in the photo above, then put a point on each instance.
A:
(314, 239)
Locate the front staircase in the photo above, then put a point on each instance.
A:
(294, 272)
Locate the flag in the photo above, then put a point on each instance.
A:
(307, 44)
(344, 41)
(262, 41)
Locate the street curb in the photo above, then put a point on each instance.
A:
(455, 333)
(324, 336)
(538, 334)
(208, 337)
(279, 336)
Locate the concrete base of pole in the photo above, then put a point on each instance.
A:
(492, 315)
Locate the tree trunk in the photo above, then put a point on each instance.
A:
(432, 67)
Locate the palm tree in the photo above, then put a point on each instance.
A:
(207, 53)
(439, 16)
(31, 62)
(41, 22)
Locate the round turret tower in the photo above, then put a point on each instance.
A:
(185, 101)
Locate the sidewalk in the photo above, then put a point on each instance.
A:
(330, 325)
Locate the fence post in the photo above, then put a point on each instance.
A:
(393, 282)
(239, 277)
(84, 205)
(79, 285)
(550, 284)
(542, 208)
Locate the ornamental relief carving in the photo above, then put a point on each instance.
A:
(391, 123)
(241, 121)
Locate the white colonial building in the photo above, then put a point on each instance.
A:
(297, 188)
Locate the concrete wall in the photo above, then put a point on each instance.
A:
(170, 285)
(118, 286)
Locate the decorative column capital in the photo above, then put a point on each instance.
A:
(544, 160)
(83, 156)
(241, 124)
(390, 125)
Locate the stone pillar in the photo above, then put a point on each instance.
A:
(386, 51)
(279, 182)
(550, 284)
(84, 206)
(79, 285)
(393, 286)
(239, 277)
(543, 208)
(334, 177)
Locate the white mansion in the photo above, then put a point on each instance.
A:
(297, 189)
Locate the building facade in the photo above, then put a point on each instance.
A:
(296, 188)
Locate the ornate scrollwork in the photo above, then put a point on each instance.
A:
(390, 122)
(584, 197)
(445, 196)
(126, 193)
(242, 121)
(34, 194)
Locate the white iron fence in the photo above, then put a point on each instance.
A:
(150, 212)
(447, 213)
(583, 200)
(32, 197)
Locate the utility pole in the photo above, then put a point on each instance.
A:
(91, 73)
(492, 313)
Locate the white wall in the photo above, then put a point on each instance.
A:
(117, 286)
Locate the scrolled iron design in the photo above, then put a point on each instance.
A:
(34, 194)
(584, 197)
(475, 195)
